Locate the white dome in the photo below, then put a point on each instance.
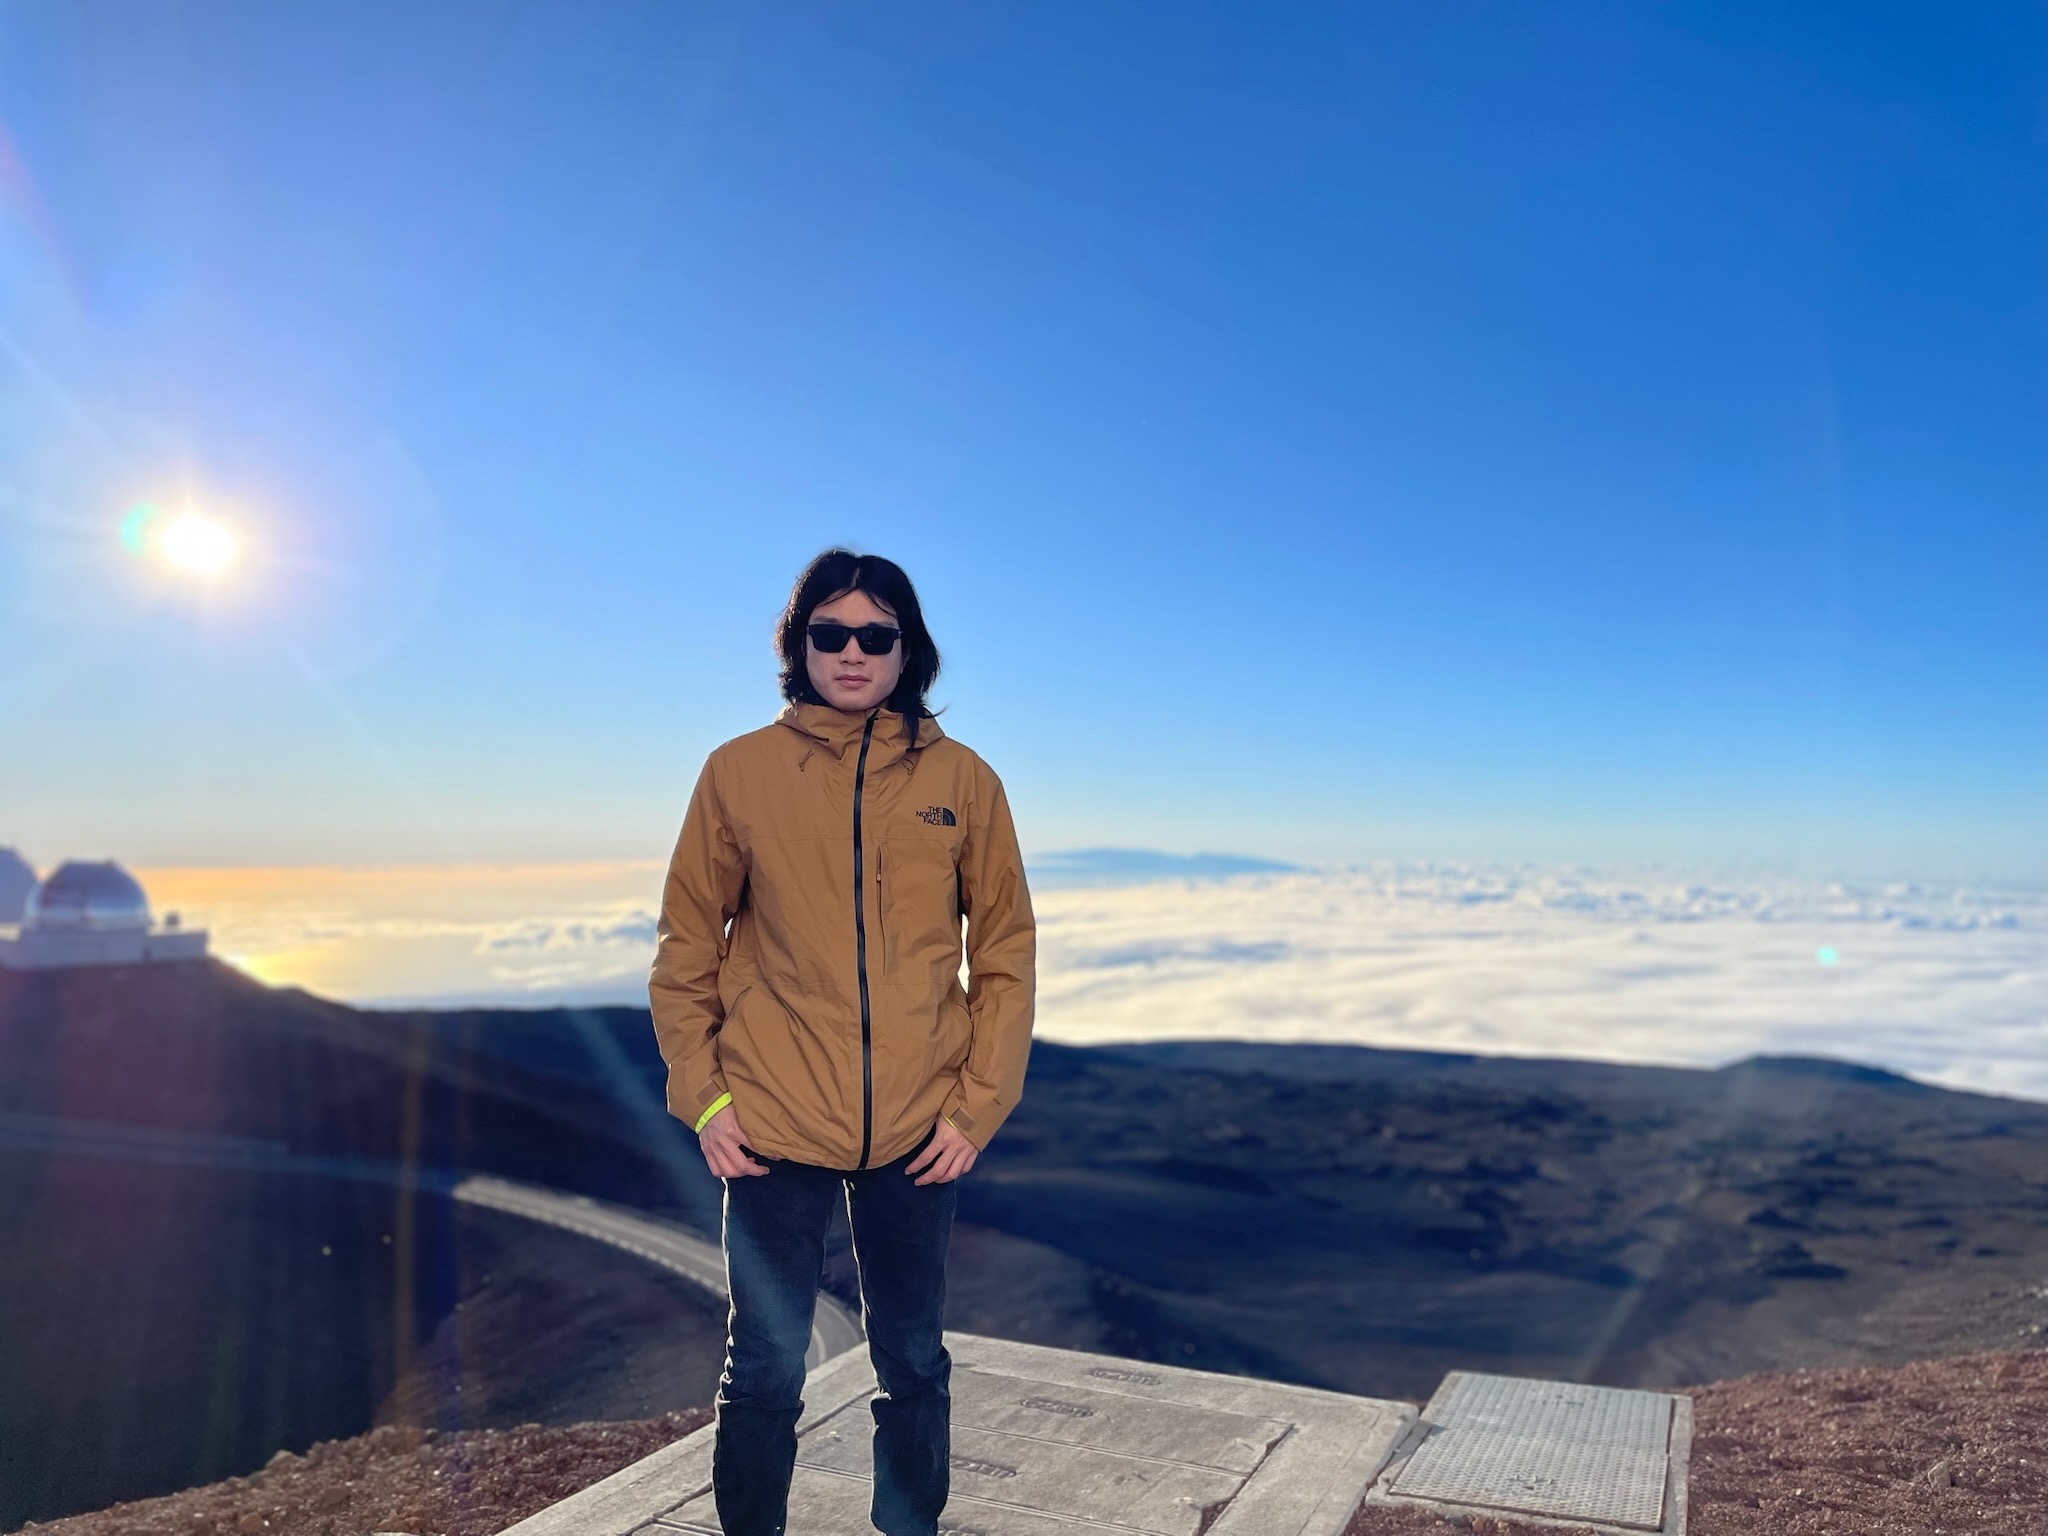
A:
(17, 883)
(91, 897)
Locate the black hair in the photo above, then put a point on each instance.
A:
(834, 574)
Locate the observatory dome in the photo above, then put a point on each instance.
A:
(17, 880)
(87, 897)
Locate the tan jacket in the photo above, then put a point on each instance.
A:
(830, 1014)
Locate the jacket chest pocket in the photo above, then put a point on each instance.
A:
(917, 898)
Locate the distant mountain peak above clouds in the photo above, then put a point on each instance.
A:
(1824, 1067)
(1133, 866)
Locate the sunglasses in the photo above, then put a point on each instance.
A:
(875, 639)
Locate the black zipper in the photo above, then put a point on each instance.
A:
(860, 949)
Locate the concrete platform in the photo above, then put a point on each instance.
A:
(1046, 1442)
(1603, 1459)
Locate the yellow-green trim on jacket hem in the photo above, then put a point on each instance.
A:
(716, 1105)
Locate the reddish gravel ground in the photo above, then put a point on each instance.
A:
(419, 1481)
(1937, 1448)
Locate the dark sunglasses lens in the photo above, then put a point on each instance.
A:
(875, 639)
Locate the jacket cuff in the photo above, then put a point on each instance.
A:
(977, 1128)
(695, 1103)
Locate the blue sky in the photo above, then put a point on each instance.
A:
(1557, 431)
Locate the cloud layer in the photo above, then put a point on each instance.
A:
(1948, 985)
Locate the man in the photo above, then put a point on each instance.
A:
(807, 1000)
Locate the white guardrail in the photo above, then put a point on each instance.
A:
(835, 1328)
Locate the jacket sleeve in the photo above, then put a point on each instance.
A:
(1002, 943)
(705, 885)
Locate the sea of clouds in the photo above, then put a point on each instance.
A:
(1949, 985)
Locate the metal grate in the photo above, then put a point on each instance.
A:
(1545, 1448)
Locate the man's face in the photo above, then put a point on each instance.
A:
(852, 680)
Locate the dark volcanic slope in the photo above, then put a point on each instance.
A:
(227, 1230)
(201, 1050)
(1367, 1219)
(1339, 1216)
(551, 1328)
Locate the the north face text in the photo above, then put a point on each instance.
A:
(938, 816)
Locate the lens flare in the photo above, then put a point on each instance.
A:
(135, 528)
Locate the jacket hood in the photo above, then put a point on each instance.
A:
(839, 733)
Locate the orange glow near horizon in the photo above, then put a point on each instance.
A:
(419, 930)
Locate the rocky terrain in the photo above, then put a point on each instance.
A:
(1366, 1220)
(396, 1479)
(229, 1232)
(233, 1235)
(1955, 1446)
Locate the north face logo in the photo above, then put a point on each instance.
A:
(938, 816)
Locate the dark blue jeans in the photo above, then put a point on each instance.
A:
(775, 1255)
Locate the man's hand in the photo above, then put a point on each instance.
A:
(723, 1145)
(949, 1155)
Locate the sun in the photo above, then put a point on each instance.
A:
(186, 543)
(199, 545)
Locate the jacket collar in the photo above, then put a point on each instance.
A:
(830, 730)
